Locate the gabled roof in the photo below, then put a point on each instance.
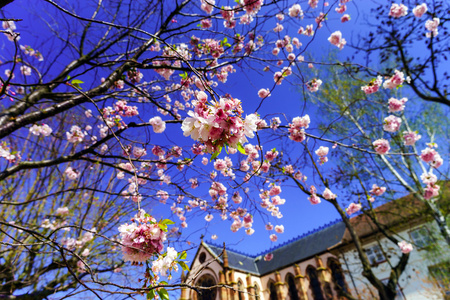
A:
(303, 247)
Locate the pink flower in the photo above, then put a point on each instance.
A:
(158, 124)
(432, 190)
(392, 123)
(313, 3)
(373, 86)
(208, 5)
(264, 93)
(341, 9)
(381, 146)
(269, 226)
(428, 154)
(337, 40)
(432, 25)
(62, 211)
(295, 11)
(396, 105)
(273, 237)
(322, 151)
(25, 70)
(345, 18)
(353, 208)
(275, 190)
(428, 178)
(314, 199)
(405, 247)
(327, 194)
(209, 217)
(420, 10)
(377, 191)
(397, 79)
(398, 10)
(279, 228)
(313, 85)
(410, 137)
(268, 257)
(71, 174)
(214, 237)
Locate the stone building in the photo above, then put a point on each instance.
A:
(319, 263)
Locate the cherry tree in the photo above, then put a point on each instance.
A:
(130, 108)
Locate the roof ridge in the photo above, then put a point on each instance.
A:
(303, 235)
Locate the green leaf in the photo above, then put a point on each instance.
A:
(184, 266)
(163, 294)
(68, 77)
(215, 154)
(151, 294)
(183, 255)
(163, 227)
(241, 149)
(167, 222)
(77, 81)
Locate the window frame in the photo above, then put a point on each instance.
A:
(375, 262)
(427, 236)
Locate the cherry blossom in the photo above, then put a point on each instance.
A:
(397, 79)
(431, 26)
(295, 11)
(396, 105)
(410, 137)
(327, 194)
(313, 85)
(353, 208)
(373, 85)
(398, 10)
(381, 146)
(337, 40)
(376, 190)
(345, 18)
(268, 257)
(264, 93)
(420, 10)
(405, 247)
(392, 123)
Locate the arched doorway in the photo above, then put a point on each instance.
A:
(207, 294)
(292, 288)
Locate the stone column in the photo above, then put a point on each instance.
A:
(184, 290)
(222, 290)
(325, 278)
(301, 283)
(250, 288)
(279, 286)
(234, 294)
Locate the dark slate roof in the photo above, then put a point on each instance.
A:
(286, 254)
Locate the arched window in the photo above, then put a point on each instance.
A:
(207, 281)
(257, 290)
(337, 275)
(293, 293)
(273, 291)
(314, 283)
(240, 289)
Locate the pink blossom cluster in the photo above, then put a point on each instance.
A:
(432, 157)
(405, 247)
(396, 80)
(71, 173)
(31, 52)
(381, 146)
(9, 27)
(159, 126)
(377, 190)
(398, 10)
(313, 198)
(420, 10)
(264, 93)
(313, 85)
(5, 152)
(411, 137)
(219, 125)
(353, 208)
(43, 129)
(76, 135)
(392, 123)
(396, 105)
(295, 11)
(252, 6)
(431, 26)
(328, 195)
(207, 5)
(142, 238)
(373, 85)
(322, 152)
(297, 128)
(337, 40)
